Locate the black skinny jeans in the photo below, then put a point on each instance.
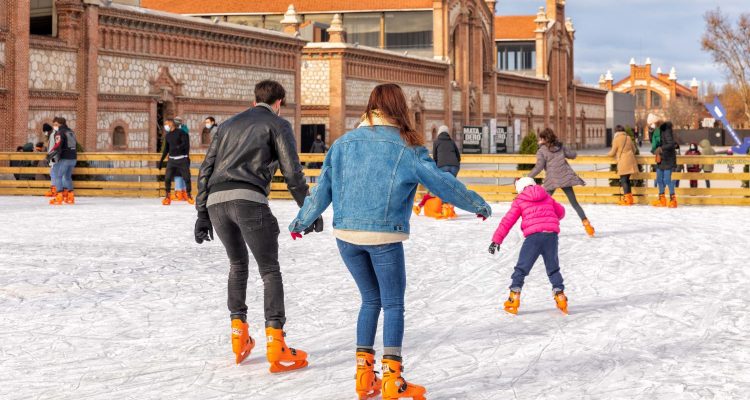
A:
(179, 167)
(572, 199)
(625, 183)
(241, 224)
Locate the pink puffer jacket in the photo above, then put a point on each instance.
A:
(538, 211)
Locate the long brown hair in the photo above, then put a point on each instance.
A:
(389, 99)
(548, 135)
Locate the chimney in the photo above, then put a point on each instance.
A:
(291, 21)
(609, 80)
(648, 66)
(694, 86)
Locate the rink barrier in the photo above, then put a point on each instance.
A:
(136, 175)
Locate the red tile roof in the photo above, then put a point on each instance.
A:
(515, 27)
(204, 7)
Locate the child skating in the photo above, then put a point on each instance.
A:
(540, 222)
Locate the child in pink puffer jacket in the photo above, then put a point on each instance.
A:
(540, 222)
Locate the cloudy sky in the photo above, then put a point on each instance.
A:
(610, 32)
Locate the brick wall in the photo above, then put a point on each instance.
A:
(358, 92)
(52, 70)
(37, 118)
(2, 53)
(136, 125)
(132, 76)
(315, 82)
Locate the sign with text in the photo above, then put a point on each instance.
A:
(501, 139)
(472, 139)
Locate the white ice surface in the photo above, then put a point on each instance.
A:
(112, 299)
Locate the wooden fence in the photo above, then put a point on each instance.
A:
(136, 175)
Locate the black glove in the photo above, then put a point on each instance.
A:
(203, 228)
(316, 227)
(494, 247)
(160, 164)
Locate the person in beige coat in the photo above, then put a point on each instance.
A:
(623, 150)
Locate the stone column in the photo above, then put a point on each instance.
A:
(336, 33)
(337, 95)
(439, 45)
(88, 78)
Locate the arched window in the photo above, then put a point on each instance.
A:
(119, 138)
(655, 100)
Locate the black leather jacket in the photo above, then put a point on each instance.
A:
(245, 153)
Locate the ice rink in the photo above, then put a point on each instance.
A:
(113, 299)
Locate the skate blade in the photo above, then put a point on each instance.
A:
(512, 310)
(371, 395)
(278, 367)
(563, 310)
(241, 356)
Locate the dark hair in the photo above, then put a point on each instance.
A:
(39, 144)
(619, 128)
(269, 92)
(46, 127)
(389, 100)
(212, 119)
(59, 120)
(548, 135)
(19, 148)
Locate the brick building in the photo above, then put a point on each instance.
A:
(652, 92)
(115, 71)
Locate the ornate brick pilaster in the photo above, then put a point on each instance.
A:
(14, 117)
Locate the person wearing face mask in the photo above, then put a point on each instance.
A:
(177, 146)
(693, 151)
(210, 127)
(233, 187)
(64, 155)
(47, 131)
(179, 184)
(664, 147)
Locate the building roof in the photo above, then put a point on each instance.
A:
(515, 27)
(224, 7)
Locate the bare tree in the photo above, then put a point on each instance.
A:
(683, 112)
(730, 46)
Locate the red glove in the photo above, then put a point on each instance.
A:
(296, 235)
(482, 217)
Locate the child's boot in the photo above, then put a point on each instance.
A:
(167, 200)
(514, 301)
(562, 301)
(281, 357)
(368, 383)
(242, 343)
(587, 226)
(394, 386)
(672, 201)
(448, 211)
(660, 202)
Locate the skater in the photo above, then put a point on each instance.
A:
(48, 134)
(663, 146)
(552, 158)
(623, 150)
(540, 222)
(707, 150)
(318, 147)
(371, 175)
(63, 154)
(176, 145)
(448, 158)
(233, 186)
(693, 151)
(180, 191)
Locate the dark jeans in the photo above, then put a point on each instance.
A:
(708, 184)
(181, 168)
(239, 224)
(380, 274)
(570, 194)
(450, 169)
(539, 244)
(625, 183)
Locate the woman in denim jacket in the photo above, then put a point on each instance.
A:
(371, 176)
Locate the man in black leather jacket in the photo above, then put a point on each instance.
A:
(233, 184)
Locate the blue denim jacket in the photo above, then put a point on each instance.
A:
(371, 176)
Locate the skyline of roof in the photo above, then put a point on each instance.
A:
(515, 27)
(224, 7)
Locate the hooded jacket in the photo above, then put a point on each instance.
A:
(667, 147)
(707, 150)
(558, 173)
(623, 149)
(538, 211)
(445, 152)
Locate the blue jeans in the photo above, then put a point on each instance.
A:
(450, 169)
(179, 183)
(663, 179)
(63, 174)
(539, 244)
(380, 274)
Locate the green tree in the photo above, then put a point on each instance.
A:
(529, 145)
